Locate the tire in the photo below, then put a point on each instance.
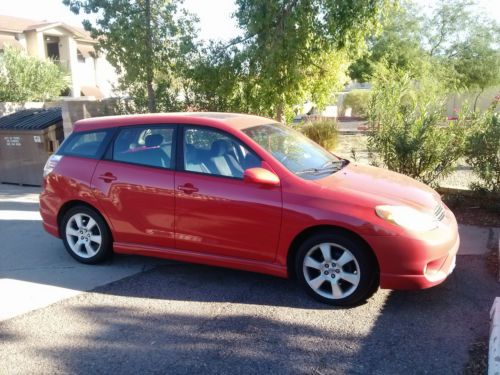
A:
(336, 268)
(86, 235)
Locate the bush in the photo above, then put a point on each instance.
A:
(323, 132)
(25, 78)
(483, 152)
(358, 100)
(408, 130)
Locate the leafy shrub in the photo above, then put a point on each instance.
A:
(324, 132)
(26, 78)
(358, 100)
(483, 152)
(408, 130)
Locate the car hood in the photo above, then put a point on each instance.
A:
(381, 186)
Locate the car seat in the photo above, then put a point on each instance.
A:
(222, 162)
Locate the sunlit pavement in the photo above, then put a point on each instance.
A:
(181, 318)
(35, 269)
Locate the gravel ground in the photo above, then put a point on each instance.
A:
(181, 318)
(461, 178)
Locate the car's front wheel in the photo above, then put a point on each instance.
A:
(337, 269)
(86, 235)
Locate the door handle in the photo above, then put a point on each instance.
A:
(187, 188)
(107, 177)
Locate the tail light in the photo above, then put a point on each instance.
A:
(51, 164)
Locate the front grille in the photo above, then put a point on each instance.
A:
(439, 212)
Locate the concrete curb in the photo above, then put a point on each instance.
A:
(352, 132)
(465, 192)
(452, 190)
(494, 345)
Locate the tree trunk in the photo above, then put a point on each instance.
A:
(280, 113)
(149, 66)
(151, 96)
(477, 97)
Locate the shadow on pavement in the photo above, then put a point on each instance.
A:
(431, 331)
(190, 319)
(427, 330)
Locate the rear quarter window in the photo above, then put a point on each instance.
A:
(86, 144)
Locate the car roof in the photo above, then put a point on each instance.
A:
(217, 119)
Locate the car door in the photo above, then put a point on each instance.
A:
(135, 185)
(217, 212)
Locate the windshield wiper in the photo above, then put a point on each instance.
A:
(333, 163)
(330, 165)
(318, 170)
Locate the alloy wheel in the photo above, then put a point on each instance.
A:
(83, 235)
(331, 271)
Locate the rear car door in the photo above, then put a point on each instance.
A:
(216, 211)
(135, 185)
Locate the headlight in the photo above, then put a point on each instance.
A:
(407, 217)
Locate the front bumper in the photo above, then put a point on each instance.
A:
(417, 262)
(427, 278)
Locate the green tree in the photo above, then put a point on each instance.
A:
(147, 41)
(448, 24)
(26, 78)
(215, 80)
(476, 61)
(461, 45)
(399, 44)
(465, 42)
(297, 50)
(408, 129)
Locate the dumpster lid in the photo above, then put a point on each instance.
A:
(31, 119)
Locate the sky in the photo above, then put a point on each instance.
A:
(215, 15)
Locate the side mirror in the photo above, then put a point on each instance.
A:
(261, 176)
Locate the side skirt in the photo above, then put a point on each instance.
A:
(201, 258)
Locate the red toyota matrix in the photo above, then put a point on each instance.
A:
(244, 192)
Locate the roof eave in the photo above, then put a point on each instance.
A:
(14, 31)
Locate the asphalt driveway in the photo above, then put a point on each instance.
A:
(181, 318)
(169, 317)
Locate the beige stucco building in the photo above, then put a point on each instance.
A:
(71, 47)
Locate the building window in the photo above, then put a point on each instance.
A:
(79, 56)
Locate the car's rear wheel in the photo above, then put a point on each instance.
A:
(86, 235)
(337, 269)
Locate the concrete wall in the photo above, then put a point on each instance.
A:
(85, 71)
(35, 44)
(77, 109)
(105, 76)
(455, 102)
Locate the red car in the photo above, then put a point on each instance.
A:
(244, 192)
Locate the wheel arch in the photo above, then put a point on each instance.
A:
(73, 203)
(302, 236)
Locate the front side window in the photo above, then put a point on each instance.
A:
(87, 144)
(214, 152)
(295, 151)
(145, 145)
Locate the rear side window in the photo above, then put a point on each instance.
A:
(151, 146)
(85, 144)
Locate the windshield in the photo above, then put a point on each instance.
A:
(295, 151)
